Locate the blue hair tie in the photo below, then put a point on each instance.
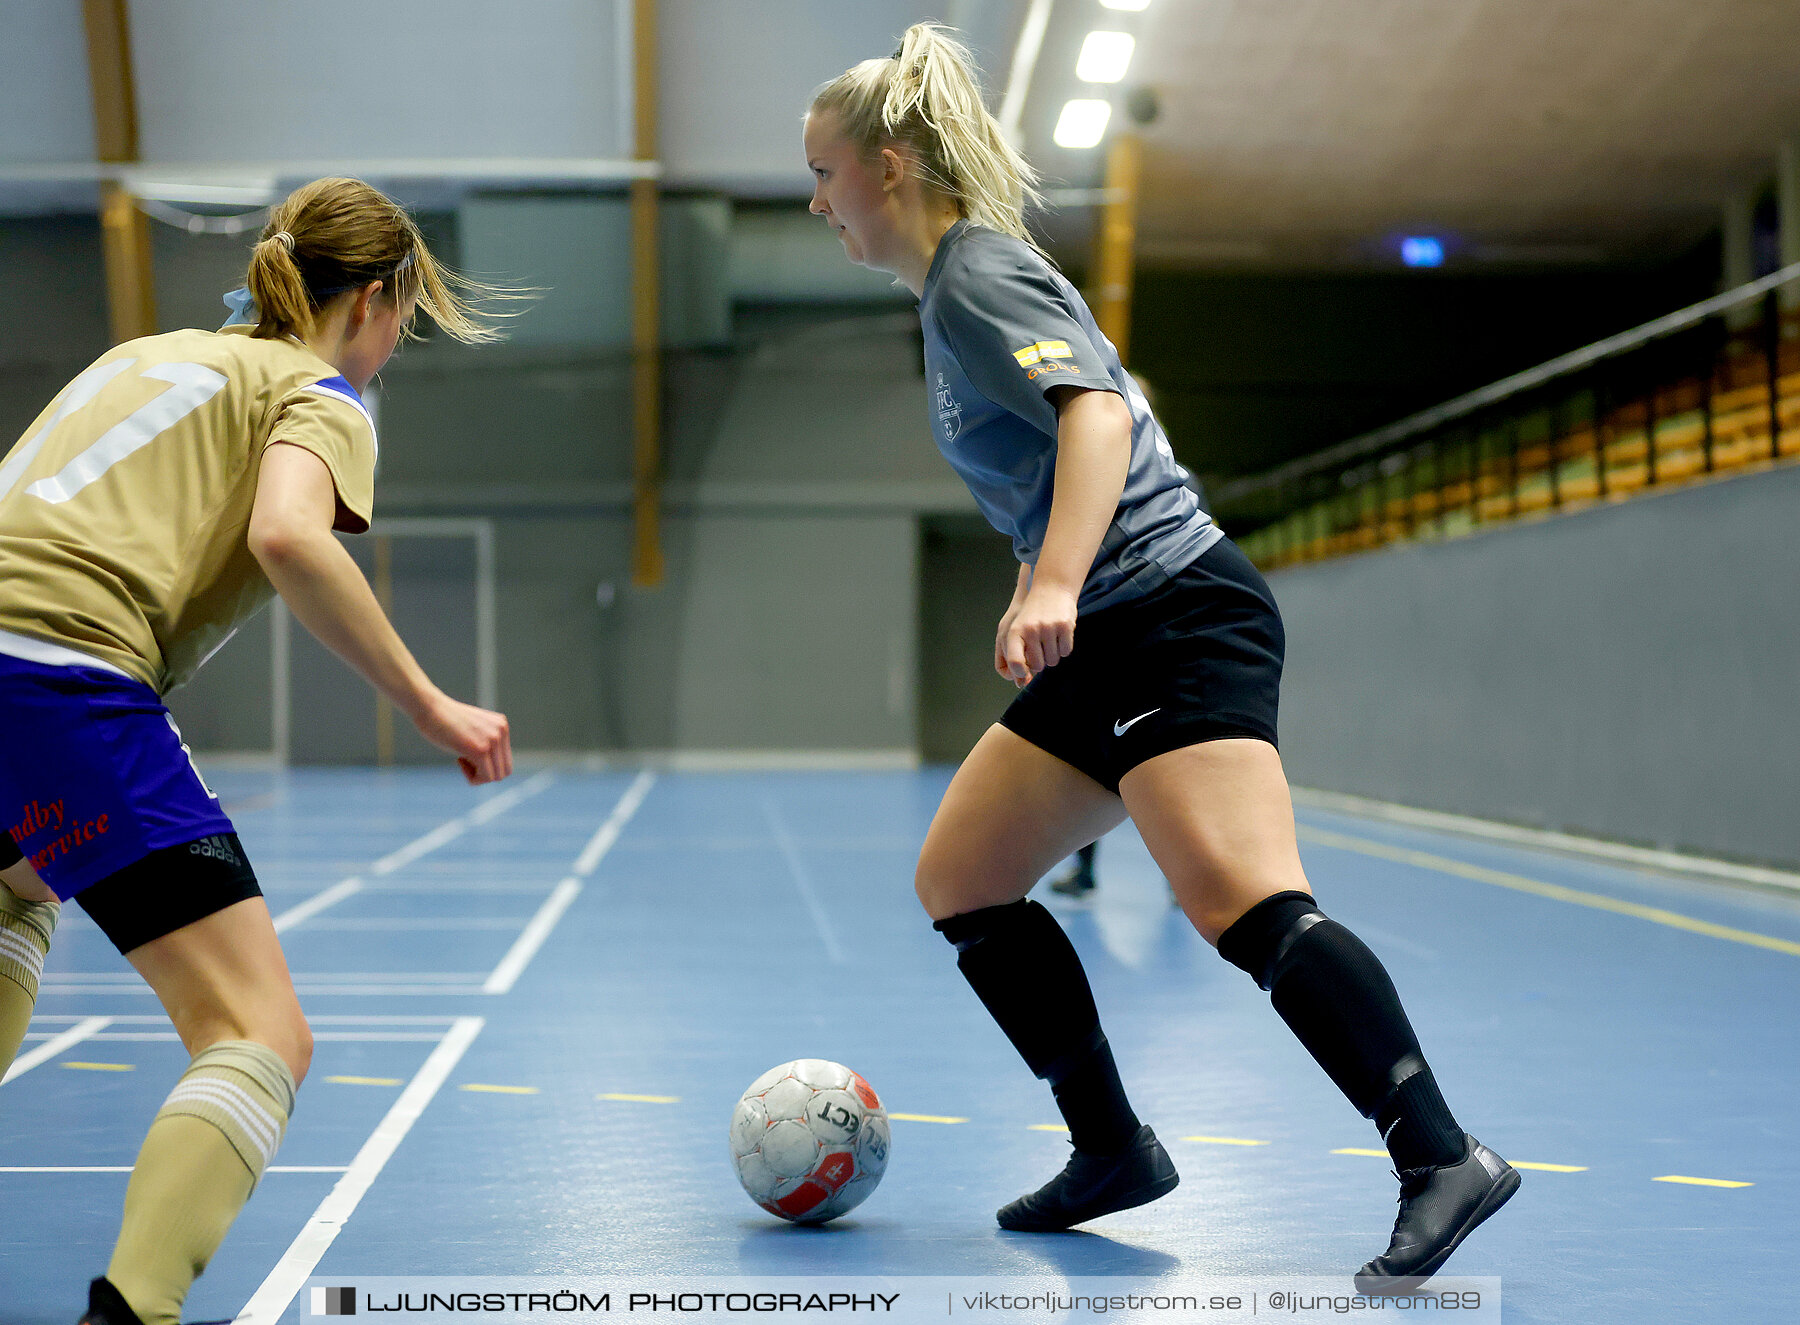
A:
(243, 308)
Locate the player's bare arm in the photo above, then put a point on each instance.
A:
(290, 536)
(1093, 454)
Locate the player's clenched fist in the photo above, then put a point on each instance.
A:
(480, 739)
(1040, 634)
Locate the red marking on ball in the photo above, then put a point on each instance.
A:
(864, 1092)
(837, 1170)
(800, 1200)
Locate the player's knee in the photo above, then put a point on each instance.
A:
(287, 1034)
(1217, 890)
(934, 888)
(290, 1037)
(948, 883)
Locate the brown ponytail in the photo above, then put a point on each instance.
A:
(336, 235)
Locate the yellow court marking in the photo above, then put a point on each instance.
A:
(501, 1090)
(924, 1118)
(1048, 1127)
(1555, 892)
(366, 1081)
(1548, 1168)
(1224, 1141)
(1702, 1182)
(102, 1067)
(1352, 1150)
(642, 1099)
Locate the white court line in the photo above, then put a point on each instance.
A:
(803, 881)
(1677, 862)
(270, 1301)
(81, 1030)
(449, 831)
(608, 833)
(317, 903)
(494, 806)
(491, 808)
(526, 946)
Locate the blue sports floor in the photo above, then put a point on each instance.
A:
(536, 1006)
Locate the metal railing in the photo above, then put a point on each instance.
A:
(1695, 392)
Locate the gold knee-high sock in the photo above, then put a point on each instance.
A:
(25, 930)
(204, 1155)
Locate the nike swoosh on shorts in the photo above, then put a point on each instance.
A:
(1120, 728)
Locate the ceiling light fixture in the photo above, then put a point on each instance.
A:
(1082, 123)
(1105, 56)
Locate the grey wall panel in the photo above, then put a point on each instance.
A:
(575, 252)
(1627, 671)
(798, 633)
(736, 79)
(226, 706)
(838, 401)
(786, 253)
(222, 81)
(46, 113)
(966, 578)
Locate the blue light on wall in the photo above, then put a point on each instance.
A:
(1422, 251)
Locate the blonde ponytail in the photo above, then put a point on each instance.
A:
(927, 97)
(337, 235)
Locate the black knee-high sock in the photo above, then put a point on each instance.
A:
(1337, 998)
(1025, 971)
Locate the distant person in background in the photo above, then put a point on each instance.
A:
(1077, 880)
(1166, 713)
(163, 497)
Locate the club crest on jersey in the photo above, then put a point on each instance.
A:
(948, 411)
(1043, 349)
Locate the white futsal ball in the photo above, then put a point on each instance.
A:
(809, 1140)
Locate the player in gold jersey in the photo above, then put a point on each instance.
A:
(165, 495)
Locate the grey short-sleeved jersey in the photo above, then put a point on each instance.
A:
(1001, 328)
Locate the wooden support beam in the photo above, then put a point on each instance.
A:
(647, 566)
(1117, 242)
(124, 230)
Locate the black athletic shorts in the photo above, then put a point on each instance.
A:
(1196, 659)
(169, 889)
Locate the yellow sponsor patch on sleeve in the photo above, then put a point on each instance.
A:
(1054, 349)
(1027, 356)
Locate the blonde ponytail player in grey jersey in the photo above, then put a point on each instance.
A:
(924, 105)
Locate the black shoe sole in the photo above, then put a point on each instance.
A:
(1382, 1285)
(1135, 1197)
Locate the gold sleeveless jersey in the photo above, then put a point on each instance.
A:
(125, 507)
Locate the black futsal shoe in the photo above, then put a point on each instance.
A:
(1077, 882)
(1439, 1207)
(106, 1307)
(1093, 1185)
